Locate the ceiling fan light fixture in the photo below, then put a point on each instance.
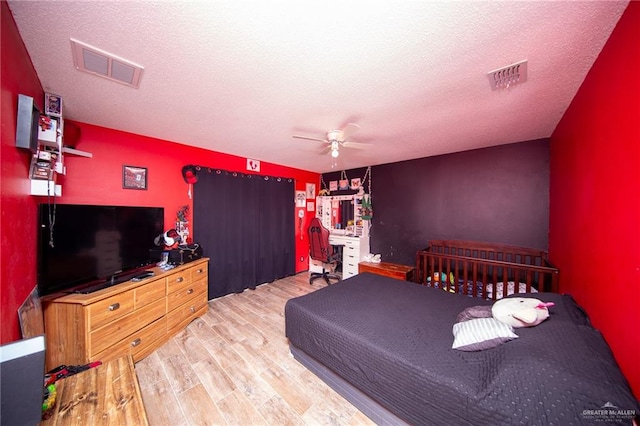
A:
(335, 145)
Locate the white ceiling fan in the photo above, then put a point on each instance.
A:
(337, 138)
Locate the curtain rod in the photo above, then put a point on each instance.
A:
(239, 174)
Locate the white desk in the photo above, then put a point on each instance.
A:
(353, 251)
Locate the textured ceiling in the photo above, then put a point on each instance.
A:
(242, 77)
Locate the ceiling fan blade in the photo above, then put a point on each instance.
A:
(310, 138)
(350, 119)
(356, 145)
(325, 149)
(349, 130)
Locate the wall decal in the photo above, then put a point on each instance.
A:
(253, 165)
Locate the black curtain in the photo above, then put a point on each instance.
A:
(246, 226)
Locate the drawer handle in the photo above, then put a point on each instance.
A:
(179, 279)
(136, 343)
(193, 309)
(190, 291)
(199, 271)
(114, 307)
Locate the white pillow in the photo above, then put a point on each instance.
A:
(481, 333)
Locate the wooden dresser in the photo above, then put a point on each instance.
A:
(393, 270)
(131, 318)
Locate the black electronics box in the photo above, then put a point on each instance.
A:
(178, 256)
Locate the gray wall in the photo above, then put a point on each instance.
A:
(498, 194)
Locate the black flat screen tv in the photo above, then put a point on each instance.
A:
(92, 247)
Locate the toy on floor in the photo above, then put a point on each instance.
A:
(49, 402)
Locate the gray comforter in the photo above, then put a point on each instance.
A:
(392, 340)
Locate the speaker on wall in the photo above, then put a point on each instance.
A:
(27, 123)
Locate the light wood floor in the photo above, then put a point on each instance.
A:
(233, 367)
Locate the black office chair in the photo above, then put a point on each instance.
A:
(322, 251)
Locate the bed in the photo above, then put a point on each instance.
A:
(485, 270)
(386, 346)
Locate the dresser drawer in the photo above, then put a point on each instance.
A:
(352, 244)
(139, 344)
(178, 280)
(183, 314)
(186, 293)
(351, 258)
(117, 330)
(199, 272)
(353, 248)
(349, 269)
(110, 309)
(145, 342)
(149, 293)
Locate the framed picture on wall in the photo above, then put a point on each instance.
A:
(311, 191)
(134, 177)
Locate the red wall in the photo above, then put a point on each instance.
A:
(594, 230)
(18, 220)
(96, 180)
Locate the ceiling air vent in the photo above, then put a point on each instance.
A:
(98, 62)
(505, 77)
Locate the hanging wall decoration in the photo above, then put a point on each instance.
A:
(367, 208)
(345, 185)
(190, 176)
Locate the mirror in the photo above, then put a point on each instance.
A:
(342, 214)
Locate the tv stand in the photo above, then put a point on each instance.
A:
(131, 318)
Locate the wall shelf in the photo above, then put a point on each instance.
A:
(72, 151)
(48, 161)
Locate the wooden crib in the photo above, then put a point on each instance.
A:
(485, 270)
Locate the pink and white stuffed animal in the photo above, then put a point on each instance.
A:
(521, 311)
